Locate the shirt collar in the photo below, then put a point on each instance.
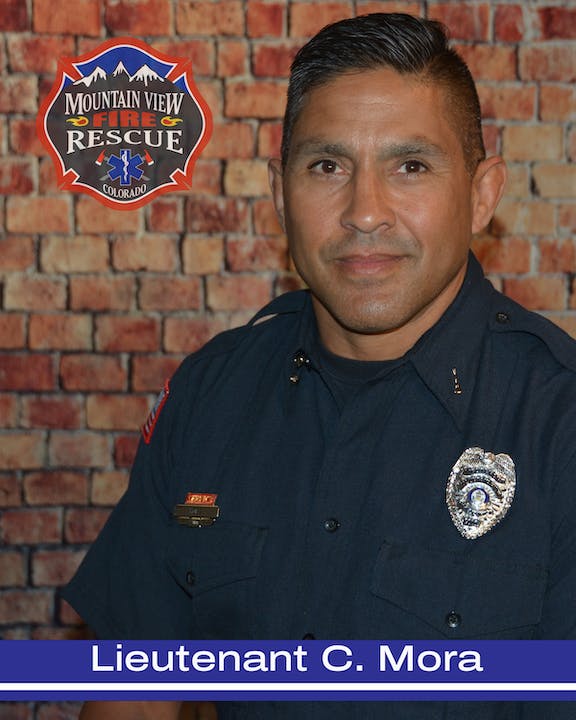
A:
(446, 357)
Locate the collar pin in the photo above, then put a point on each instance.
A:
(457, 389)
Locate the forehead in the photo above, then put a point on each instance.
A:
(375, 107)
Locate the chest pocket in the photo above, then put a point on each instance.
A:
(461, 596)
(217, 566)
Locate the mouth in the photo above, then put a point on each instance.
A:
(369, 264)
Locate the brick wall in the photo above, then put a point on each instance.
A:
(99, 306)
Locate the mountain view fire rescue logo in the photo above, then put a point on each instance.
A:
(124, 123)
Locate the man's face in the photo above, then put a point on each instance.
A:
(378, 207)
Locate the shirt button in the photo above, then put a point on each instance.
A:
(190, 577)
(309, 636)
(453, 619)
(502, 318)
(331, 525)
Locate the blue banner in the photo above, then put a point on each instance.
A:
(311, 670)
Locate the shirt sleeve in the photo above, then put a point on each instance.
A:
(123, 588)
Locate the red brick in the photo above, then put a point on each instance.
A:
(21, 450)
(49, 411)
(47, 178)
(25, 606)
(533, 142)
(38, 214)
(237, 292)
(307, 18)
(211, 91)
(108, 487)
(18, 94)
(8, 410)
(557, 22)
(34, 292)
(370, 6)
(165, 215)
(116, 412)
(69, 616)
(82, 525)
(264, 18)
(231, 140)
(12, 331)
(93, 217)
(259, 99)
(507, 102)
(265, 218)
(537, 293)
(12, 570)
(16, 176)
(207, 177)
(509, 23)
(118, 333)
(269, 253)
(102, 292)
(10, 495)
(489, 62)
(35, 53)
(557, 255)
(170, 293)
(232, 58)
(24, 139)
(125, 450)
(246, 178)
(60, 332)
(567, 218)
(185, 335)
(74, 17)
(55, 487)
(557, 102)
(269, 139)
(81, 253)
(139, 17)
(200, 52)
(225, 17)
(13, 16)
(273, 60)
(26, 372)
(216, 215)
(78, 449)
(524, 217)
(145, 252)
(92, 372)
(31, 527)
(503, 255)
(203, 255)
(16, 252)
(54, 567)
(150, 371)
(547, 61)
(555, 180)
(464, 20)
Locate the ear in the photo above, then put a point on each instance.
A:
(276, 185)
(487, 189)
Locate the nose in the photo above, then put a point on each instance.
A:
(369, 205)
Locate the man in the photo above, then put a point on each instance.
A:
(393, 451)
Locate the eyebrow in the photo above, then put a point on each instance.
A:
(411, 146)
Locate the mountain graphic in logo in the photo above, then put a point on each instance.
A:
(124, 123)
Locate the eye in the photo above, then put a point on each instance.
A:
(325, 167)
(412, 167)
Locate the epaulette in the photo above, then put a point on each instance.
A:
(508, 316)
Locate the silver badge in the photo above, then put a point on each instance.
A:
(480, 490)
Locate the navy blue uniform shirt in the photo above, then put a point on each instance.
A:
(331, 480)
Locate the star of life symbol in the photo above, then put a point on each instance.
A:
(133, 108)
(125, 167)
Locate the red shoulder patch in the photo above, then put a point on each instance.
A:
(150, 424)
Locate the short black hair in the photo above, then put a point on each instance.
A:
(404, 43)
